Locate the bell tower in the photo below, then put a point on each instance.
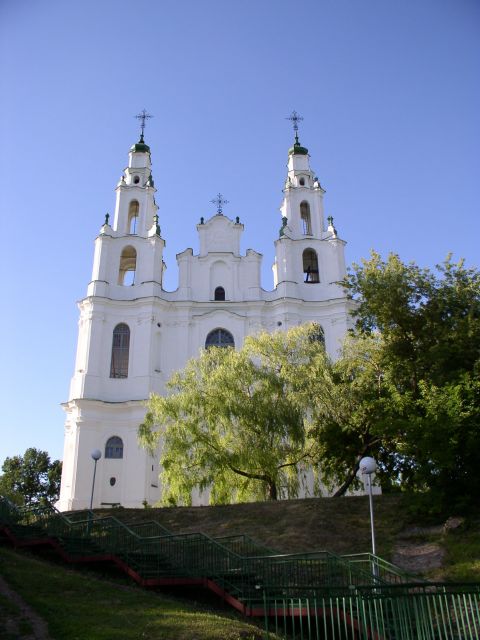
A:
(129, 252)
(309, 257)
(115, 370)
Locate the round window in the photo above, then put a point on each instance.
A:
(112, 481)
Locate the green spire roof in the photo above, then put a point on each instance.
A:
(140, 146)
(297, 148)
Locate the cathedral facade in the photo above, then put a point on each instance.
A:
(133, 334)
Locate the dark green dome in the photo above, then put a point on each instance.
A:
(298, 150)
(140, 146)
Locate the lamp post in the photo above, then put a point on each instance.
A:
(96, 455)
(367, 467)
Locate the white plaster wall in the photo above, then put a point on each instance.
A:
(94, 423)
(219, 234)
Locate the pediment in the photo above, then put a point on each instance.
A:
(219, 312)
(219, 234)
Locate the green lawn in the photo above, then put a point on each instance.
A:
(79, 607)
(463, 554)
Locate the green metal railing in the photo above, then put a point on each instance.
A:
(316, 595)
(387, 571)
(245, 545)
(400, 612)
(154, 553)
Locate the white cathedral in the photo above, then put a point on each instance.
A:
(133, 334)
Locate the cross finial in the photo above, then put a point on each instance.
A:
(295, 119)
(219, 201)
(142, 116)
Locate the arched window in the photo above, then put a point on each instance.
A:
(114, 449)
(128, 265)
(133, 211)
(305, 216)
(310, 266)
(219, 293)
(219, 338)
(120, 350)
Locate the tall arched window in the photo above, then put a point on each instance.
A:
(219, 338)
(219, 293)
(310, 265)
(128, 265)
(114, 448)
(305, 216)
(120, 351)
(133, 211)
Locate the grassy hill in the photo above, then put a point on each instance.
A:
(80, 606)
(339, 525)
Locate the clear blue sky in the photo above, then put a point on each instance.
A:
(389, 91)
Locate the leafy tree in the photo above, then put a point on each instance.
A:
(31, 478)
(7, 492)
(429, 326)
(350, 406)
(430, 322)
(236, 421)
(444, 440)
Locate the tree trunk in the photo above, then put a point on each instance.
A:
(351, 476)
(272, 491)
(272, 487)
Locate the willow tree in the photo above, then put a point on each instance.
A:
(237, 422)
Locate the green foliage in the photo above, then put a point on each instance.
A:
(31, 478)
(236, 421)
(7, 491)
(405, 389)
(444, 438)
(350, 409)
(463, 554)
(430, 322)
(428, 424)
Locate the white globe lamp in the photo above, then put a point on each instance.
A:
(96, 455)
(367, 466)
